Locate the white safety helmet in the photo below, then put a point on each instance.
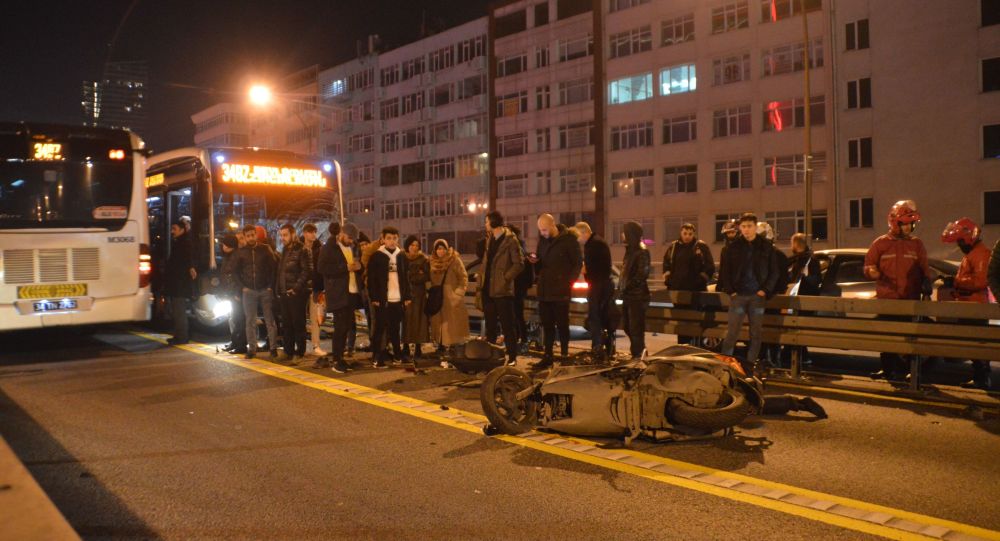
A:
(765, 230)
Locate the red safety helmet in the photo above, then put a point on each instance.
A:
(903, 212)
(962, 229)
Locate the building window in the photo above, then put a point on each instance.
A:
(991, 208)
(632, 183)
(678, 79)
(576, 135)
(442, 58)
(512, 104)
(541, 57)
(471, 48)
(731, 121)
(361, 80)
(680, 179)
(513, 186)
(618, 5)
(569, 8)
(720, 221)
(576, 48)
(541, 14)
(648, 230)
(390, 75)
(470, 126)
(511, 23)
(677, 30)
(635, 88)
(672, 226)
(441, 169)
(363, 111)
(512, 64)
(360, 205)
(790, 170)
(632, 136)
(389, 108)
(776, 10)
(730, 17)
(861, 213)
(413, 102)
(734, 175)
(788, 223)
(859, 93)
(470, 165)
(680, 129)
(782, 115)
(543, 97)
(442, 95)
(543, 140)
(469, 87)
(991, 74)
(389, 176)
(631, 42)
(576, 91)
(991, 141)
(414, 172)
(731, 69)
(390, 142)
(859, 152)
(857, 35)
(362, 142)
(580, 179)
(543, 182)
(412, 137)
(791, 57)
(512, 145)
(362, 174)
(990, 12)
(413, 67)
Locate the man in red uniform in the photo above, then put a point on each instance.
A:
(897, 261)
(971, 282)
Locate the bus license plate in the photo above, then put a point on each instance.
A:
(54, 306)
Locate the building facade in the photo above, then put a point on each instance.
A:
(222, 125)
(118, 100)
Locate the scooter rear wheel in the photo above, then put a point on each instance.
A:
(498, 396)
(732, 414)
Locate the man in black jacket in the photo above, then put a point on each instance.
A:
(389, 291)
(254, 270)
(687, 266)
(751, 273)
(231, 291)
(316, 312)
(340, 267)
(557, 267)
(292, 281)
(600, 291)
(180, 280)
(634, 291)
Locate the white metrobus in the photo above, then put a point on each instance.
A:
(74, 234)
(221, 190)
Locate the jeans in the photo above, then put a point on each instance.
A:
(178, 312)
(599, 317)
(502, 309)
(293, 323)
(264, 300)
(388, 323)
(555, 314)
(751, 306)
(634, 321)
(317, 313)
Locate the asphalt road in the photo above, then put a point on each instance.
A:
(133, 439)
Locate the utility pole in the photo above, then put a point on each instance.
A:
(808, 122)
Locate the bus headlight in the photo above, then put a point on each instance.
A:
(222, 309)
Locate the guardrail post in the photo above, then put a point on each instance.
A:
(914, 373)
(796, 362)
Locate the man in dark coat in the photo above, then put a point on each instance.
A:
(502, 264)
(340, 267)
(558, 267)
(316, 312)
(687, 266)
(231, 291)
(389, 291)
(255, 270)
(292, 284)
(181, 275)
(600, 291)
(751, 273)
(633, 289)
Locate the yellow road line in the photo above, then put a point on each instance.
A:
(473, 423)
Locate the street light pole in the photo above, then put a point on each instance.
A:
(808, 123)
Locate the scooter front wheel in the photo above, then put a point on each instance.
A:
(498, 396)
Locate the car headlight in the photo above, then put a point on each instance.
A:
(222, 309)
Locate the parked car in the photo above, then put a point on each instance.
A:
(843, 274)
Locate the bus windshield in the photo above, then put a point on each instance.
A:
(70, 184)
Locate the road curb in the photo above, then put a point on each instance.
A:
(26, 512)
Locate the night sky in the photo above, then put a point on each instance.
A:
(218, 47)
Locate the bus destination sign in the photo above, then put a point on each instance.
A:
(239, 173)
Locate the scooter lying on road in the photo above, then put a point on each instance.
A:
(682, 393)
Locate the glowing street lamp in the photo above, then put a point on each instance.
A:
(260, 95)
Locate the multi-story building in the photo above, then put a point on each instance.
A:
(222, 125)
(546, 139)
(118, 100)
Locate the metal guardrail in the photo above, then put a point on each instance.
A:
(942, 329)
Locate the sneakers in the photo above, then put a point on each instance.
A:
(340, 367)
(379, 364)
(546, 362)
(250, 354)
(318, 352)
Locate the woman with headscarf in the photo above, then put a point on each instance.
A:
(450, 326)
(416, 328)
